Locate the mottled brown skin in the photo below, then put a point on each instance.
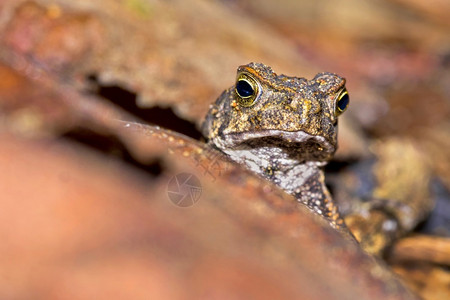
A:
(285, 134)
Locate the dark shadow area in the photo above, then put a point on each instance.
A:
(336, 166)
(111, 146)
(164, 117)
(438, 223)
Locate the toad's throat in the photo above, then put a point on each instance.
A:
(295, 146)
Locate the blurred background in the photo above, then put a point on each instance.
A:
(70, 69)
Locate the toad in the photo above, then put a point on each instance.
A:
(282, 128)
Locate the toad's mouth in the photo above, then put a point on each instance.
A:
(292, 143)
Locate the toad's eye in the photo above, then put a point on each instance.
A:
(244, 89)
(247, 90)
(342, 102)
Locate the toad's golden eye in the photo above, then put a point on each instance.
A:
(247, 90)
(342, 102)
